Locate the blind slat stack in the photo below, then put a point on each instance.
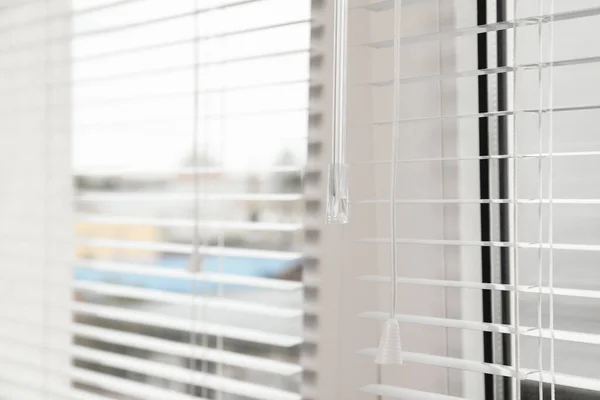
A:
(495, 202)
(185, 133)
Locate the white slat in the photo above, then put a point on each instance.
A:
(169, 94)
(493, 27)
(485, 71)
(184, 324)
(177, 171)
(40, 21)
(212, 224)
(184, 375)
(117, 28)
(149, 270)
(523, 245)
(443, 322)
(570, 336)
(156, 72)
(124, 196)
(404, 394)
(529, 156)
(479, 201)
(127, 387)
(568, 380)
(106, 382)
(186, 350)
(156, 345)
(55, 393)
(590, 294)
(224, 304)
(491, 114)
(449, 362)
(384, 5)
(188, 249)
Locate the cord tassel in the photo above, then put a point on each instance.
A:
(390, 346)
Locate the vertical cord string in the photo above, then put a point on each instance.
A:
(222, 140)
(550, 198)
(515, 220)
(395, 139)
(540, 216)
(46, 133)
(443, 173)
(200, 143)
(195, 256)
(390, 347)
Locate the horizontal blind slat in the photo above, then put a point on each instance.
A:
(126, 386)
(150, 270)
(484, 71)
(106, 382)
(567, 380)
(558, 291)
(151, 319)
(531, 201)
(184, 375)
(154, 295)
(125, 196)
(488, 28)
(120, 52)
(202, 224)
(139, 317)
(443, 322)
(181, 171)
(569, 336)
(186, 350)
(532, 156)
(141, 366)
(384, 5)
(153, 344)
(449, 362)
(165, 70)
(63, 394)
(404, 394)
(220, 91)
(490, 114)
(119, 28)
(522, 245)
(189, 249)
(41, 21)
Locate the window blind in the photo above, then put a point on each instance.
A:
(494, 200)
(184, 127)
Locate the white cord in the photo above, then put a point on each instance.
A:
(195, 257)
(540, 127)
(47, 146)
(515, 220)
(390, 347)
(395, 139)
(550, 199)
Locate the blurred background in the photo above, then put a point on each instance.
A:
(193, 136)
(183, 127)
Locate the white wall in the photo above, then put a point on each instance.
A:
(35, 206)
